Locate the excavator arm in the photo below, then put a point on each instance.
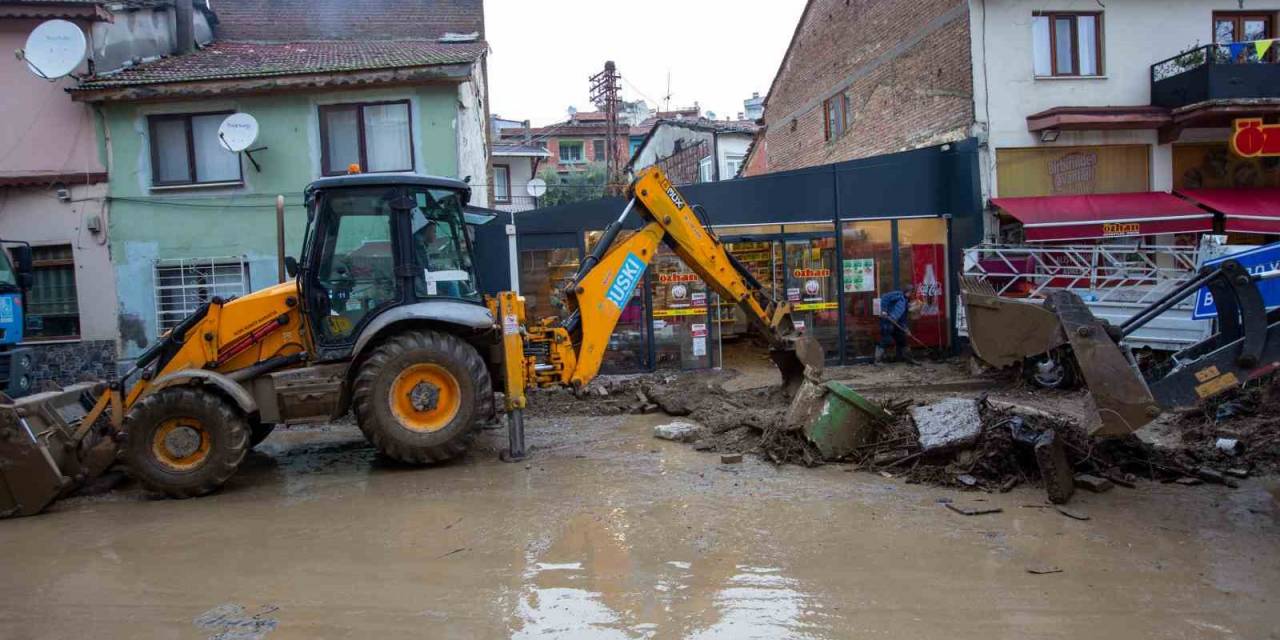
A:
(570, 351)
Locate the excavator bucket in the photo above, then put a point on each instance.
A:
(44, 451)
(1120, 400)
(792, 359)
(1004, 331)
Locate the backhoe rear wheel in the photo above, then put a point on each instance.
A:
(420, 395)
(184, 441)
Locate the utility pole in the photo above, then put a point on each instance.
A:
(604, 93)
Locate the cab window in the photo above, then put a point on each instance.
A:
(440, 247)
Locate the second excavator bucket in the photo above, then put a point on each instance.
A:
(44, 452)
(1004, 331)
(1119, 398)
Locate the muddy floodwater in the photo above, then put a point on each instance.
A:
(608, 533)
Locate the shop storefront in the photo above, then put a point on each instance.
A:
(830, 240)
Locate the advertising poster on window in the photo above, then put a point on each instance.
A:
(860, 275)
(929, 323)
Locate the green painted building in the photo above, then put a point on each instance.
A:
(190, 220)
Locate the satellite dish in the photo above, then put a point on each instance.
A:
(536, 187)
(55, 49)
(237, 132)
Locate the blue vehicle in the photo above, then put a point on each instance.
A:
(16, 364)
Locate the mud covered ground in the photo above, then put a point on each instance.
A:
(607, 532)
(735, 418)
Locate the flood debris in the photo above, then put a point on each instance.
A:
(678, 431)
(949, 424)
(1090, 482)
(1043, 570)
(730, 458)
(972, 444)
(971, 511)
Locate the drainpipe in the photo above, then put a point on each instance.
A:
(184, 37)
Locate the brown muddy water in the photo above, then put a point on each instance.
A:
(608, 533)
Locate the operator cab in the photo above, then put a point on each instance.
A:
(379, 241)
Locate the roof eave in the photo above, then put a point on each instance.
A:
(442, 73)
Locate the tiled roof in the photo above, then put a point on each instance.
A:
(229, 60)
(291, 20)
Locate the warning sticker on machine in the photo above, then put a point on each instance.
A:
(510, 325)
(699, 347)
(698, 330)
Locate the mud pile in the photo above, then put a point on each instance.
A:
(1249, 417)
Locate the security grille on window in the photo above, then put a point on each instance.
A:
(185, 151)
(377, 136)
(52, 310)
(1067, 44)
(597, 149)
(183, 285)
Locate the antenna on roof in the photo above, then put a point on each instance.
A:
(666, 106)
(54, 49)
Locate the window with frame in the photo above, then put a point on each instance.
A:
(53, 311)
(183, 285)
(1067, 44)
(1230, 27)
(377, 136)
(570, 152)
(705, 170)
(597, 150)
(835, 111)
(733, 162)
(501, 183)
(185, 151)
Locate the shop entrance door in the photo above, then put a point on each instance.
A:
(811, 289)
(797, 267)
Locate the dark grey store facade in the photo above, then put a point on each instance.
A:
(831, 239)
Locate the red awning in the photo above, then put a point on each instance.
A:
(1112, 215)
(1245, 210)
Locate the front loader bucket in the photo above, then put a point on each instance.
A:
(1004, 331)
(41, 449)
(1119, 398)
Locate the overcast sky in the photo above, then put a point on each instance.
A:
(717, 51)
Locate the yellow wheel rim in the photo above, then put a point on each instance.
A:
(181, 444)
(425, 397)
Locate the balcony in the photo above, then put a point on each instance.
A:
(1211, 73)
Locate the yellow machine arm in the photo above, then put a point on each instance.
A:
(570, 352)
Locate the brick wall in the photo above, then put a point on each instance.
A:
(904, 65)
(288, 20)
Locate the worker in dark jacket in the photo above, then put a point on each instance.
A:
(894, 309)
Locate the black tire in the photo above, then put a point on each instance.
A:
(1051, 371)
(222, 431)
(372, 396)
(258, 431)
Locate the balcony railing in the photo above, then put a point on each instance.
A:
(1212, 72)
(516, 204)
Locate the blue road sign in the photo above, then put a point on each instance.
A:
(1259, 260)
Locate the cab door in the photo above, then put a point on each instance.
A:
(352, 275)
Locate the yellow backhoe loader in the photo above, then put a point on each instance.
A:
(382, 317)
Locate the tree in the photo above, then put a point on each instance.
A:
(576, 186)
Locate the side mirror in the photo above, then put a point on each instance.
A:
(23, 266)
(291, 266)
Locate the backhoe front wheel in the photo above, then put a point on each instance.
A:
(420, 395)
(184, 442)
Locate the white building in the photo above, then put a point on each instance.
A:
(1076, 98)
(695, 150)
